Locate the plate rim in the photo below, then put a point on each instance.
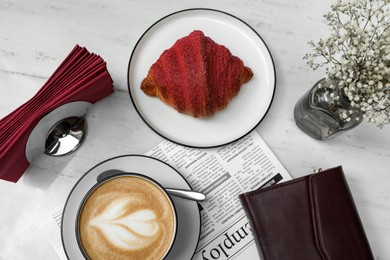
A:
(159, 132)
(113, 158)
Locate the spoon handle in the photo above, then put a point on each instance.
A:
(186, 194)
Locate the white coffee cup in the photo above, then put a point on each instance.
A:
(126, 215)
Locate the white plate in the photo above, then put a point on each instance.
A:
(243, 113)
(188, 229)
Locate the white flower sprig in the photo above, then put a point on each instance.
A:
(357, 53)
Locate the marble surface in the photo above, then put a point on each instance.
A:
(35, 36)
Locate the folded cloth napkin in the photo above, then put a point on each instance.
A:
(82, 76)
(310, 218)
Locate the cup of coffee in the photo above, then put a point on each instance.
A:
(126, 216)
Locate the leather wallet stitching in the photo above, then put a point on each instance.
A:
(291, 182)
(325, 172)
(273, 188)
(317, 230)
(319, 241)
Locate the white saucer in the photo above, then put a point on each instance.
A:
(187, 211)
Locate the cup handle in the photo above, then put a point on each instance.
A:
(107, 174)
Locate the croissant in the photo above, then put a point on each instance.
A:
(196, 76)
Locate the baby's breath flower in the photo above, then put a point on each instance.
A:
(357, 53)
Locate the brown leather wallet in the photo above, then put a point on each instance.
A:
(312, 217)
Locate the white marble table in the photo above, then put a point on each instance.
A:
(36, 35)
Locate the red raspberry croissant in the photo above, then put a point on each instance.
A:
(196, 76)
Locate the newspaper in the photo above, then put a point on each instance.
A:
(51, 230)
(221, 174)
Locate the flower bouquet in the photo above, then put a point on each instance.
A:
(357, 55)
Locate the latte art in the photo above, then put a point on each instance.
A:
(127, 217)
(127, 230)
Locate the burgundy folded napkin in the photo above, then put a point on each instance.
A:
(82, 76)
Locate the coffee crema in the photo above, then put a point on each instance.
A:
(127, 217)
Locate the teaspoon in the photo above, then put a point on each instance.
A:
(186, 194)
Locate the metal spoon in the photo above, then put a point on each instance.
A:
(186, 194)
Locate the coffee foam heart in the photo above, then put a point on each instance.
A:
(126, 229)
(127, 217)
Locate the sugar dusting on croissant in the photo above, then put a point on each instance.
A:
(196, 76)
